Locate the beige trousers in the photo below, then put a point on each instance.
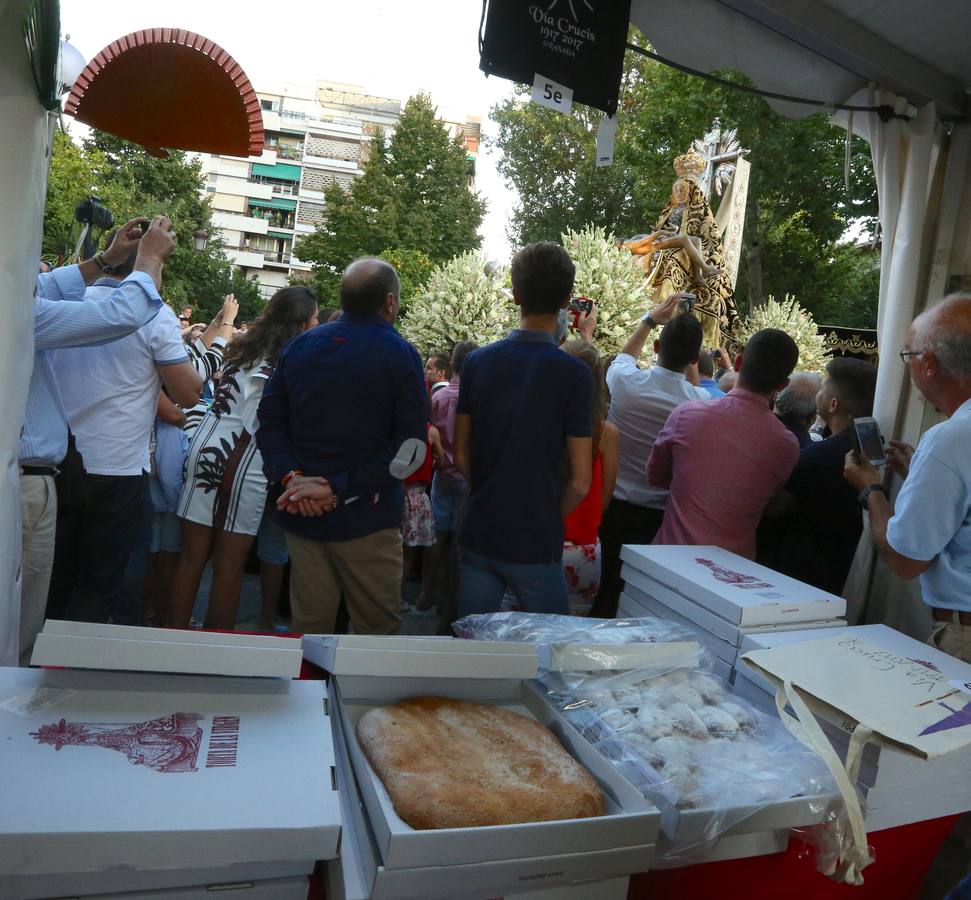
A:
(38, 519)
(366, 571)
(952, 638)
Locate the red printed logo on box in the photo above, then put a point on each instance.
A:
(167, 744)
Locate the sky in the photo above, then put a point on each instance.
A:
(392, 49)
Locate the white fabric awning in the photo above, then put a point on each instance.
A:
(823, 51)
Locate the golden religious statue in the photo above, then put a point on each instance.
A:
(685, 253)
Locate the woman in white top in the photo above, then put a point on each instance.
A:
(224, 495)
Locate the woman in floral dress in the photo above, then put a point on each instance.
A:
(224, 496)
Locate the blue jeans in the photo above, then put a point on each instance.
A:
(538, 588)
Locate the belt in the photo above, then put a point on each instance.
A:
(947, 615)
(38, 470)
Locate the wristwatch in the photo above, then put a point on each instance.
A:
(863, 498)
(649, 321)
(101, 262)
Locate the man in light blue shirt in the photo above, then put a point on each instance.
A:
(929, 533)
(59, 324)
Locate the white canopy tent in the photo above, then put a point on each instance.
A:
(912, 57)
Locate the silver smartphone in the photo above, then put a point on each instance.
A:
(868, 440)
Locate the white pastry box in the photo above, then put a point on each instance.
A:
(641, 587)
(737, 589)
(401, 862)
(636, 602)
(86, 645)
(111, 778)
(269, 889)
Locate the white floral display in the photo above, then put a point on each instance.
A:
(463, 301)
(790, 317)
(610, 276)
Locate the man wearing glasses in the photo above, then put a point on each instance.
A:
(929, 532)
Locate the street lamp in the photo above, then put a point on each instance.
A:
(200, 237)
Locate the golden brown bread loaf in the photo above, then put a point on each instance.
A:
(452, 764)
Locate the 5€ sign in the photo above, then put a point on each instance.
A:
(551, 94)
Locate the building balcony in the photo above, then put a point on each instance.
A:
(275, 258)
(248, 259)
(227, 221)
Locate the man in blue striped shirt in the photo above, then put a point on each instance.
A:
(59, 324)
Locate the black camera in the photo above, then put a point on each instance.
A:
(91, 211)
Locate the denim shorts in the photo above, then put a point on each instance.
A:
(448, 499)
(166, 533)
(271, 543)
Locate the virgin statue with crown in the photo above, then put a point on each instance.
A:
(684, 252)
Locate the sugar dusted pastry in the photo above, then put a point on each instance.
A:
(686, 721)
(711, 689)
(686, 694)
(672, 748)
(452, 764)
(718, 721)
(745, 719)
(654, 722)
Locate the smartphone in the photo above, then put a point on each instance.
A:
(867, 439)
(687, 303)
(579, 306)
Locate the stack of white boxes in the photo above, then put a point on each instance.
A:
(899, 787)
(722, 596)
(383, 857)
(126, 784)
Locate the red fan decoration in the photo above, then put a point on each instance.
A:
(166, 87)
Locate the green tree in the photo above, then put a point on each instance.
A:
(131, 183)
(798, 206)
(412, 205)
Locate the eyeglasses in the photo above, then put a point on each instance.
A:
(906, 354)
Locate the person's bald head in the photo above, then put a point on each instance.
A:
(945, 331)
(370, 286)
(940, 344)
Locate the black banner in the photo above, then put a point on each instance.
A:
(578, 43)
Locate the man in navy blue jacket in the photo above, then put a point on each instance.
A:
(342, 420)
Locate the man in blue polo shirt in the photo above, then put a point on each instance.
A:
(342, 419)
(927, 534)
(524, 407)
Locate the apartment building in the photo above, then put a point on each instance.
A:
(315, 136)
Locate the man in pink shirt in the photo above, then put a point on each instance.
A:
(723, 460)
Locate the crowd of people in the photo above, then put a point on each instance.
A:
(515, 471)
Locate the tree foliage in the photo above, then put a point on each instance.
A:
(798, 207)
(790, 317)
(411, 205)
(132, 183)
(609, 275)
(464, 300)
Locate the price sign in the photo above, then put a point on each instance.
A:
(549, 93)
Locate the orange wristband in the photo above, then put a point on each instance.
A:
(285, 480)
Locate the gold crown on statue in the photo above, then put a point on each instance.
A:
(690, 164)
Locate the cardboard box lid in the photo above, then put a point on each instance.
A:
(153, 771)
(84, 645)
(394, 656)
(736, 588)
(643, 589)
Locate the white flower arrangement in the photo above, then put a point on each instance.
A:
(462, 301)
(610, 276)
(790, 317)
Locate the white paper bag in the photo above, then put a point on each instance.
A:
(905, 701)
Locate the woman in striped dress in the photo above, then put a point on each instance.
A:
(225, 491)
